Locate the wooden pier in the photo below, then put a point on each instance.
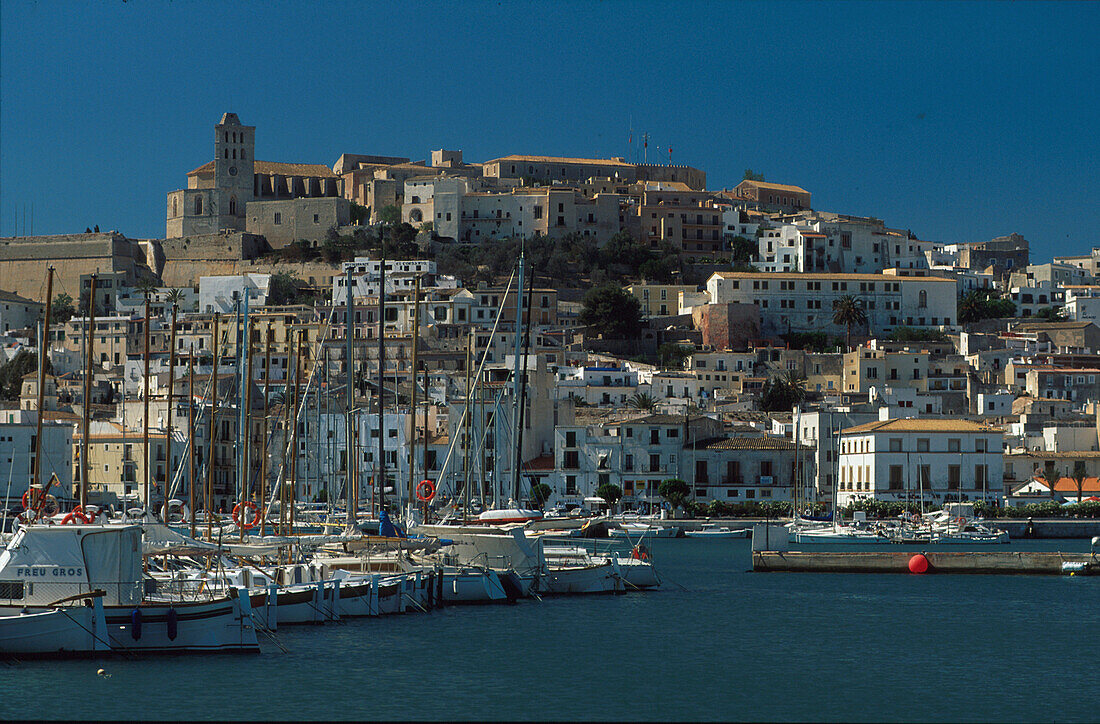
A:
(980, 562)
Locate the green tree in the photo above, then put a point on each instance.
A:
(1049, 475)
(780, 394)
(1079, 475)
(285, 288)
(1051, 314)
(909, 334)
(359, 214)
(13, 371)
(979, 304)
(62, 309)
(174, 297)
(641, 401)
(744, 250)
(672, 355)
(849, 311)
(540, 493)
(613, 312)
(146, 285)
(390, 215)
(751, 176)
(675, 491)
(610, 493)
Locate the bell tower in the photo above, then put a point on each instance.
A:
(234, 164)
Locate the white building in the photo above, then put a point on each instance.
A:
(400, 278)
(1082, 303)
(804, 302)
(221, 293)
(17, 312)
(934, 460)
(17, 451)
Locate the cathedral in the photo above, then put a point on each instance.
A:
(235, 192)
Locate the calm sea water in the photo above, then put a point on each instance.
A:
(718, 642)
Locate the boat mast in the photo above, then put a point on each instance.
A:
(168, 413)
(516, 393)
(43, 345)
(292, 493)
(467, 438)
(263, 450)
(85, 468)
(244, 398)
(212, 392)
(191, 436)
(350, 460)
(412, 402)
(427, 400)
(148, 501)
(381, 379)
(522, 397)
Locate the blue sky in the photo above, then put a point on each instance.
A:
(959, 121)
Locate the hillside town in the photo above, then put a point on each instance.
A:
(551, 331)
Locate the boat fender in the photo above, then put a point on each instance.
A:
(173, 624)
(918, 564)
(135, 624)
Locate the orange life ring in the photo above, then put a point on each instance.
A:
(960, 521)
(255, 515)
(75, 513)
(425, 490)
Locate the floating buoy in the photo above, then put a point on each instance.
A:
(918, 564)
(101, 672)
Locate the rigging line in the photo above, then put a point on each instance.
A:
(465, 409)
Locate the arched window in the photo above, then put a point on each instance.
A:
(242, 154)
(922, 299)
(416, 216)
(198, 205)
(226, 153)
(227, 136)
(234, 154)
(232, 205)
(175, 206)
(234, 136)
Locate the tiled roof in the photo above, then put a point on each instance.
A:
(751, 443)
(921, 425)
(277, 168)
(1069, 485)
(830, 276)
(775, 187)
(563, 159)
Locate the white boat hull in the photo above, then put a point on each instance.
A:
(599, 578)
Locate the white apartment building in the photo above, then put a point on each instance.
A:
(401, 278)
(804, 302)
(597, 385)
(1030, 299)
(810, 242)
(17, 312)
(934, 460)
(1082, 303)
(18, 449)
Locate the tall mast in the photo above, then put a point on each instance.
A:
(263, 452)
(515, 361)
(381, 380)
(466, 436)
(412, 403)
(244, 399)
(522, 399)
(351, 463)
(43, 357)
(294, 421)
(212, 390)
(87, 422)
(168, 415)
(148, 501)
(427, 399)
(191, 436)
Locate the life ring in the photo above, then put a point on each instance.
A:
(27, 499)
(960, 521)
(425, 490)
(255, 515)
(175, 508)
(75, 513)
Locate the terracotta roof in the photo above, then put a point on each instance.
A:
(542, 462)
(1069, 485)
(751, 443)
(277, 168)
(775, 187)
(830, 276)
(911, 424)
(563, 159)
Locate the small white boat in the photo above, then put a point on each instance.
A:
(639, 530)
(503, 516)
(712, 530)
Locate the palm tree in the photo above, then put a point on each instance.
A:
(795, 385)
(641, 401)
(1050, 476)
(174, 296)
(849, 311)
(1079, 475)
(146, 285)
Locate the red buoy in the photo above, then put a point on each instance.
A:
(918, 564)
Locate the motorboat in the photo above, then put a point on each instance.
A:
(647, 530)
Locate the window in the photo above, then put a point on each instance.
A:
(571, 438)
(954, 477)
(896, 480)
(570, 460)
(198, 205)
(981, 476)
(953, 445)
(979, 445)
(654, 463)
(895, 444)
(278, 218)
(922, 444)
(922, 299)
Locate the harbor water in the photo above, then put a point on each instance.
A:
(716, 643)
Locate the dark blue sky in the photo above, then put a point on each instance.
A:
(959, 121)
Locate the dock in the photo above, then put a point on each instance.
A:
(1045, 563)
